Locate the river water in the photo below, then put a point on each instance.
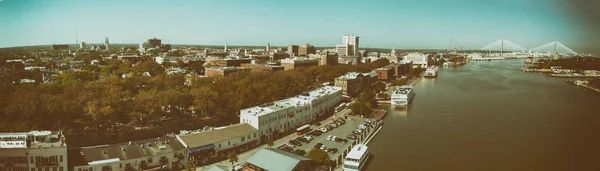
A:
(491, 116)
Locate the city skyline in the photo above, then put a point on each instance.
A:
(380, 24)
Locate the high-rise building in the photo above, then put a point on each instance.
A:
(293, 49)
(83, 45)
(268, 46)
(225, 48)
(351, 40)
(106, 43)
(305, 50)
(154, 42)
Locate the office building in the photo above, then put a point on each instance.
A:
(291, 63)
(222, 71)
(349, 46)
(106, 43)
(33, 151)
(293, 50)
(418, 59)
(274, 119)
(154, 42)
(306, 50)
(223, 62)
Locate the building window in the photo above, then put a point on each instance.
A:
(149, 160)
(228, 142)
(61, 159)
(54, 168)
(61, 169)
(120, 166)
(219, 145)
(255, 135)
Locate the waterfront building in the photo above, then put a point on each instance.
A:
(34, 150)
(275, 159)
(214, 142)
(352, 83)
(159, 153)
(283, 116)
(418, 59)
(385, 73)
(291, 63)
(222, 71)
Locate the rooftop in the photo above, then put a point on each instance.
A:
(350, 75)
(217, 135)
(126, 150)
(32, 139)
(300, 100)
(274, 159)
(357, 151)
(402, 89)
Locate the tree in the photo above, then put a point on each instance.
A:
(149, 66)
(270, 143)
(318, 156)
(232, 158)
(190, 165)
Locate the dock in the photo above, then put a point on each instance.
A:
(378, 114)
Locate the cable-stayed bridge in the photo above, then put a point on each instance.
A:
(505, 48)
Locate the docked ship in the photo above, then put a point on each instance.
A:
(402, 96)
(356, 158)
(431, 72)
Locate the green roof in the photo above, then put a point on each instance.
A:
(276, 160)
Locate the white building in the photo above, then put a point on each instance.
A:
(33, 151)
(349, 46)
(154, 153)
(418, 59)
(276, 118)
(344, 50)
(351, 40)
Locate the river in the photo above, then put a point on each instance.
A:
(491, 116)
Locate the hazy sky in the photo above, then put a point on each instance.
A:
(402, 24)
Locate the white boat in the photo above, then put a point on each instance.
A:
(356, 158)
(402, 96)
(431, 72)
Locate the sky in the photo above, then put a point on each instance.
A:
(403, 24)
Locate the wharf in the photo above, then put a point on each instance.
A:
(378, 114)
(574, 76)
(537, 70)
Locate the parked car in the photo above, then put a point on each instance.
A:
(317, 124)
(300, 152)
(318, 145)
(352, 137)
(324, 147)
(341, 140)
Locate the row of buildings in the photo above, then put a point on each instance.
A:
(48, 151)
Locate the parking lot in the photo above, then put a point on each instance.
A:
(350, 123)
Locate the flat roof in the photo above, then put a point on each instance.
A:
(300, 100)
(124, 151)
(214, 136)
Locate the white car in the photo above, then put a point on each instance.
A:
(323, 147)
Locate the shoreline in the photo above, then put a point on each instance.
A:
(591, 88)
